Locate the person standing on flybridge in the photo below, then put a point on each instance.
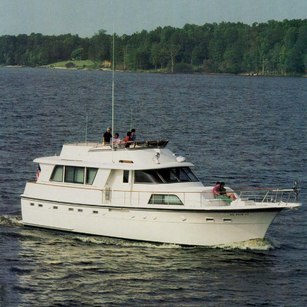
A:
(133, 135)
(107, 136)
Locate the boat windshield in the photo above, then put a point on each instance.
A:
(165, 175)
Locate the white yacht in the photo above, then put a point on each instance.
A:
(143, 192)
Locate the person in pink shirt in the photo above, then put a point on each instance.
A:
(216, 189)
(220, 192)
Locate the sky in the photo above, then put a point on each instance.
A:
(87, 17)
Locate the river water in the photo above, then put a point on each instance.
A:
(246, 131)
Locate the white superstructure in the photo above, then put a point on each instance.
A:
(143, 192)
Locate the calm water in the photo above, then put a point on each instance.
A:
(246, 131)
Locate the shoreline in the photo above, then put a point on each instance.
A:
(53, 66)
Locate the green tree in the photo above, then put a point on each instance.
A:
(100, 47)
(274, 47)
(78, 54)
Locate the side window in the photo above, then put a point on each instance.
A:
(57, 174)
(147, 176)
(90, 175)
(142, 177)
(165, 199)
(126, 176)
(190, 174)
(169, 175)
(182, 175)
(74, 174)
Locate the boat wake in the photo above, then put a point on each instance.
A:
(10, 220)
(122, 242)
(254, 244)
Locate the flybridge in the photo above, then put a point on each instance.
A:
(139, 155)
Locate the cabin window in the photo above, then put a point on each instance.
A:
(90, 175)
(74, 174)
(165, 175)
(147, 176)
(125, 176)
(165, 199)
(177, 174)
(57, 174)
(190, 174)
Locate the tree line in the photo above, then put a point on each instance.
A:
(274, 47)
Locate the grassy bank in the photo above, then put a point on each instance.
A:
(75, 64)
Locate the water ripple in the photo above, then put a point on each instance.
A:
(242, 130)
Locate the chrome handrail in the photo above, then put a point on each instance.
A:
(206, 197)
(270, 195)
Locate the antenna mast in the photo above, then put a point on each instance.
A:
(113, 69)
(86, 123)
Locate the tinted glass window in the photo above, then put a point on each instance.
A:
(57, 174)
(165, 175)
(190, 174)
(74, 174)
(126, 176)
(69, 173)
(165, 199)
(90, 175)
(79, 175)
(147, 176)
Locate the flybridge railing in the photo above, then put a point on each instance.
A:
(133, 145)
(191, 199)
(204, 198)
(270, 195)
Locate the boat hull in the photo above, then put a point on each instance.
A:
(184, 227)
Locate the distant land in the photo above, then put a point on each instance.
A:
(272, 48)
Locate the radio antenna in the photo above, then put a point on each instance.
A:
(86, 123)
(113, 71)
